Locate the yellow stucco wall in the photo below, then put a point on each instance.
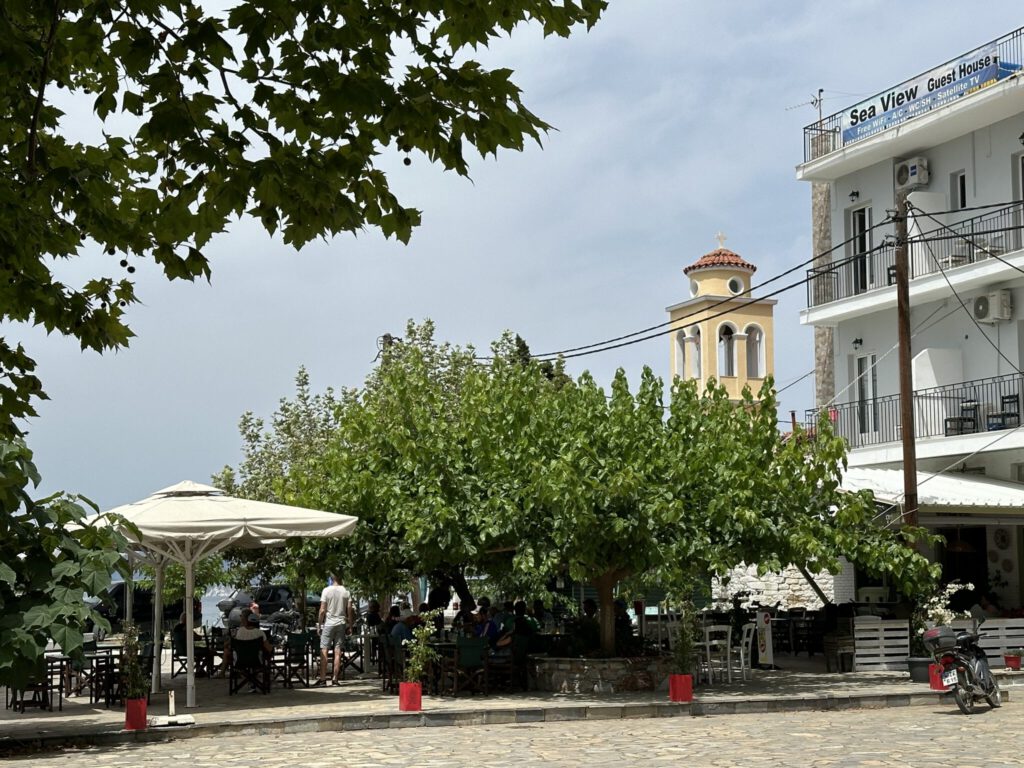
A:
(712, 286)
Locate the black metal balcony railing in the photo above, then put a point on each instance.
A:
(826, 135)
(983, 405)
(930, 248)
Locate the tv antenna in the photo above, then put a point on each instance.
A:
(814, 102)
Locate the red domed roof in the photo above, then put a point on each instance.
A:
(719, 258)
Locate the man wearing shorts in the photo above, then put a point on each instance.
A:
(336, 616)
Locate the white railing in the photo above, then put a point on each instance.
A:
(997, 635)
(880, 644)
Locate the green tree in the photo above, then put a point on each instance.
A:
(278, 109)
(49, 557)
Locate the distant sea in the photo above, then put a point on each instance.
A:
(211, 616)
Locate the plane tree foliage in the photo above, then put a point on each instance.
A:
(455, 466)
(138, 130)
(283, 110)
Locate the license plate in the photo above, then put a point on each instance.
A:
(949, 678)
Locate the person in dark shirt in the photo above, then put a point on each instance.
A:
(394, 616)
(373, 617)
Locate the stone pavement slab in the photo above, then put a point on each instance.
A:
(357, 705)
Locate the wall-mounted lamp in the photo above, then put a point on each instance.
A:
(854, 195)
(858, 343)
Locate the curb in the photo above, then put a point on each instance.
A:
(360, 722)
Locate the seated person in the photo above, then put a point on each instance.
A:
(394, 617)
(373, 618)
(250, 630)
(403, 629)
(523, 624)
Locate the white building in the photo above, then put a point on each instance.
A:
(954, 139)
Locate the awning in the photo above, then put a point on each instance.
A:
(950, 493)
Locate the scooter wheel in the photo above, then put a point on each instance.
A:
(994, 697)
(964, 700)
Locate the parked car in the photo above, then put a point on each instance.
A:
(270, 598)
(111, 607)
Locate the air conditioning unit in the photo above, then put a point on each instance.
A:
(994, 307)
(911, 173)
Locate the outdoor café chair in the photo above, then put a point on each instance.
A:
(742, 652)
(717, 650)
(248, 665)
(179, 658)
(469, 669)
(296, 662)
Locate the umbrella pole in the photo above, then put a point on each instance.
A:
(190, 588)
(158, 630)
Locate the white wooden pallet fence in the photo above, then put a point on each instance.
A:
(880, 644)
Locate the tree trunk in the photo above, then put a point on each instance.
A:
(606, 603)
(814, 585)
(458, 582)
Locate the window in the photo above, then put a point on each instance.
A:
(726, 351)
(958, 190)
(755, 352)
(860, 242)
(695, 363)
(866, 389)
(681, 354)
(735, 285)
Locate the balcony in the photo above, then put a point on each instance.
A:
(939, 249)
(982, 405)
(914, 98)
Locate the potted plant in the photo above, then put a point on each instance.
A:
(931, 612)
(134, 682)
(1012, 658)
(419, 656)
(684, 653)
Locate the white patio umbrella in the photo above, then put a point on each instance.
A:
(189, 521)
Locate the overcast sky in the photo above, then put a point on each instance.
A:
(672, 124)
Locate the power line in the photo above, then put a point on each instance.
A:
(611, 343)
(740, 295)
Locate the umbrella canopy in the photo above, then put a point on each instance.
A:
(189, 521)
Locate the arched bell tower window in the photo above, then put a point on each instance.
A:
(726, 350)
(755, 352)
(681, 354)
(695, 362)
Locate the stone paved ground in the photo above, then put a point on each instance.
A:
(920, 736)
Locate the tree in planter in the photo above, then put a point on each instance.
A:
(135, 682)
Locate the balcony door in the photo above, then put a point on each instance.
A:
(1018, 194)
(867, 393)
(860, 241)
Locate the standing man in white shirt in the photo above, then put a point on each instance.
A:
(336, 616)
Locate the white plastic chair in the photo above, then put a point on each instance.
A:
(717, 648)
(742, 653)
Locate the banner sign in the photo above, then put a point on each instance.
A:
(951, 81)
(765, 655)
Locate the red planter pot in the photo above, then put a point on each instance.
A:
(935, 678)
(410, 697)
(135, 715)
(680, 687)
(1012, 662)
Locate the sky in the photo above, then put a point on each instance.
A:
(675, 120)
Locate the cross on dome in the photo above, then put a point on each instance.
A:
(721, 238)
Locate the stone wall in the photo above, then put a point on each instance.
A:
(789, 588)
(568, 675)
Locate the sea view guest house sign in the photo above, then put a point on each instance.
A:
(951, 81)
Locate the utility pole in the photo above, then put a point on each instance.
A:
(906, 379)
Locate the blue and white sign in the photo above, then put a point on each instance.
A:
(934, 89)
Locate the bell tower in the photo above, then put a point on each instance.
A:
(721, 331)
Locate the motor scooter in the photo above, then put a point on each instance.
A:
(965, 669)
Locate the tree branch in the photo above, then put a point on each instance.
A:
(33, 130)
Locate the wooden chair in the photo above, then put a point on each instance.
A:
(742, 652)
(470, 668)
(248, 665)
(296, 660)
(718, 650)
